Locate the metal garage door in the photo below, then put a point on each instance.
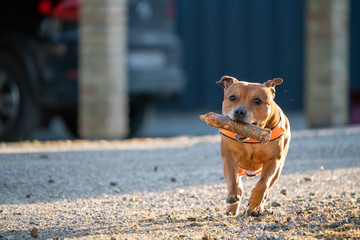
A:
(252, 40)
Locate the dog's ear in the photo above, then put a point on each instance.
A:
(226, 81)
(272, 83)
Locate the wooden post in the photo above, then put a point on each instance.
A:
(327, 34)
(103, 95)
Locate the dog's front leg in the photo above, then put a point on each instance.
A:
(270, 171)
(234, 184)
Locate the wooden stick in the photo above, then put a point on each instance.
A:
(248, 130)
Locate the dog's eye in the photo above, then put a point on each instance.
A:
(232, 98)
(257, 101)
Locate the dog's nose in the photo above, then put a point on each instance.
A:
(239, 113)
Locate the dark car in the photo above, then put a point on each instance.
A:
(39, 61)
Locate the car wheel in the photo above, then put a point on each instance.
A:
(18, 112)
(70, 117)
(138, 111)
(137, 114)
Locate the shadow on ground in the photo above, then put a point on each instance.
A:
(51, 176)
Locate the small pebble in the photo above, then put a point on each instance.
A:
(335, 224)
(113, 184)
(328, 197)
(283, 192)
(257, 219)
(173, 179)
(231, 228)
(275, 204)
(34, 232)
(155, 168)
(307, 179)
(298, 211)
(321, 169)
(299, 232)
(44, 156)
(51, 181)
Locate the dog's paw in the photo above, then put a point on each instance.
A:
(253, 213)
(233, 199)
(233, 210)
(254, 204)
(259, 213)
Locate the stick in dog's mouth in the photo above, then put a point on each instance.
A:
(243, 130)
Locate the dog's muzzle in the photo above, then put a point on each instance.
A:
(240, 114)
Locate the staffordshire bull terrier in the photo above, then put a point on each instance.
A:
(252, 103)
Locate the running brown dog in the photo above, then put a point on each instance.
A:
(252, 103)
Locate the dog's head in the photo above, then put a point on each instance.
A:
(248, 102)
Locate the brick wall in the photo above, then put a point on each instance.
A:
(103, 98)
(327, 64)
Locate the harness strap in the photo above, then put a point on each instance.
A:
(246, 173)
(276, 132)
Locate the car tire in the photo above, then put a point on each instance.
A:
(19, 113)
(137, 116)
(70, 117)
(138, 110)
(136, 119)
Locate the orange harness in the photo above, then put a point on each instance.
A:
(276, 132)
(243, 172)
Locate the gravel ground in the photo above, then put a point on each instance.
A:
(174, 189)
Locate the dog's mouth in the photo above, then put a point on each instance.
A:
(243, 138)
(240, 138)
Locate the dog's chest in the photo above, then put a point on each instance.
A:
(252, 156)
